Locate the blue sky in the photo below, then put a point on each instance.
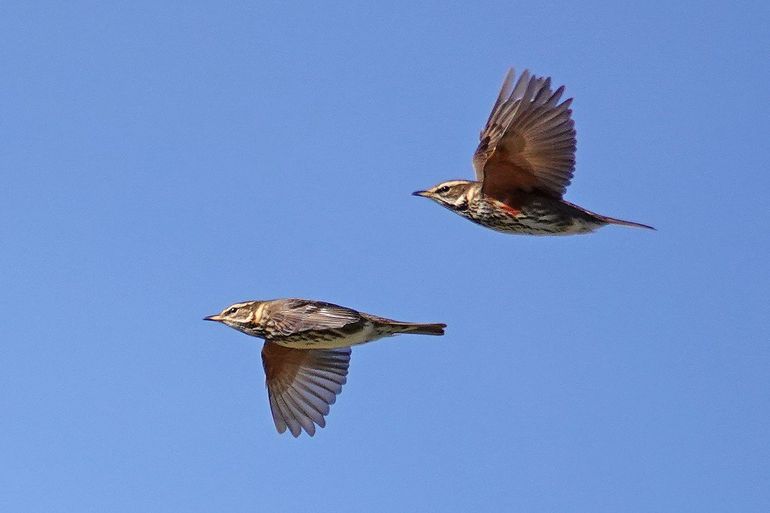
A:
(163, 161)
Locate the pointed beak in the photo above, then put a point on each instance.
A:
(424, 194)
(213, 318)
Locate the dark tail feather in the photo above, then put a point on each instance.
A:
(608, 220)
(612, 220)
(423, 329)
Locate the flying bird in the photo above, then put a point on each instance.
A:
(307, 352)
(524, 162)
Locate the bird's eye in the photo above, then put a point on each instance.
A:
(232, 311)
(442, 190)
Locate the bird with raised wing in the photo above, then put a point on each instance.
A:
(524, 162)
(307, 352)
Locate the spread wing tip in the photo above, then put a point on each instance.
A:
(302, 384)
(528, 141)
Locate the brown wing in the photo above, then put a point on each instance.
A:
(302, 384)
(528, 142)
(290, 316)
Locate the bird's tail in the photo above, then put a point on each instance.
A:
(612, 220)
(418, 328)
(606, 219)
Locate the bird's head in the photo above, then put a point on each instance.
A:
(451, 194)
(239, 315)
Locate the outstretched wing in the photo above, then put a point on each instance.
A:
(290, 316)
(302, 384)
(528, 142)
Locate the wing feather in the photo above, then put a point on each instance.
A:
(302, 384)
(291, 316)
(529, 140)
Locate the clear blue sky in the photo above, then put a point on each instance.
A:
(161, 162)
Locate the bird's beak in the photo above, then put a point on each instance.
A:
(213, 318)
(424, 194)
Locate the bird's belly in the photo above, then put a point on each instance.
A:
(329, 339)
(535, 219)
